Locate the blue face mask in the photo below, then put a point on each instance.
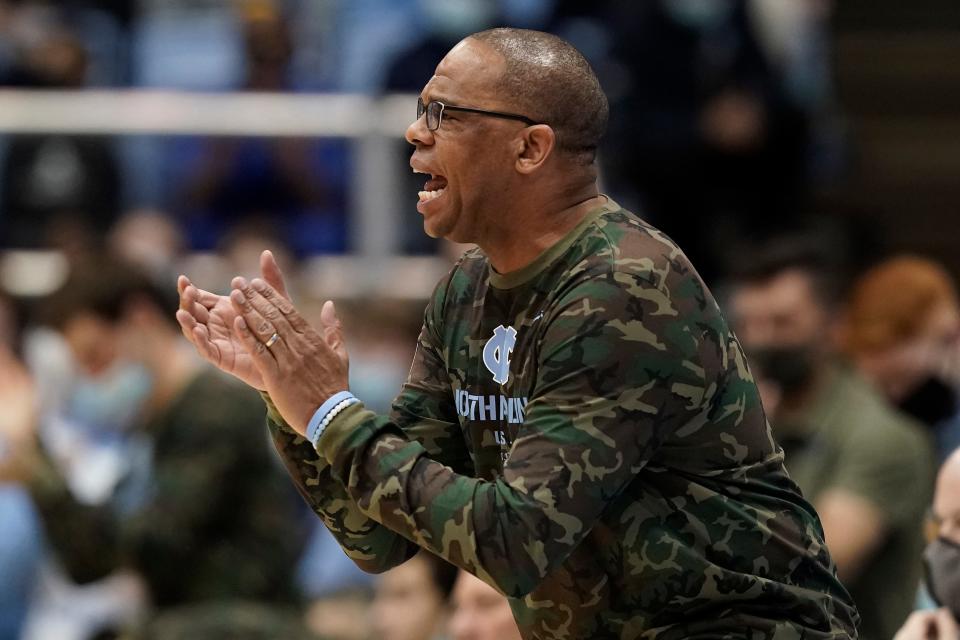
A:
(112, 401)
(377, 381)
(699, 14)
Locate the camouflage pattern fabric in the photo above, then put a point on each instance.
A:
(585, 435)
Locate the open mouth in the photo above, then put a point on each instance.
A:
(433, 188)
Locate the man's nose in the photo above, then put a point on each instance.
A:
(950, 530)
(417, 133)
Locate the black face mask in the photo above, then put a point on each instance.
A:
(942, 562)
(932, 402)
(790, 368)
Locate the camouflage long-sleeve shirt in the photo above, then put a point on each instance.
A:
(585, 435)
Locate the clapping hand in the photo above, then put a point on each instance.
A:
(206, 320)
(257, 335)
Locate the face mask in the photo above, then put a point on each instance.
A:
(698, 14)
(942, 562)
(377, 380)
(110, 402)
(932, 402)
(790, 368)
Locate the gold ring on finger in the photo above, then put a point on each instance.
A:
(272, 340)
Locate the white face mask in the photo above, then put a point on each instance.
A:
(698, 14)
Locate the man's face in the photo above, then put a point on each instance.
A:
(933, 351)
(480, 612)
(946, 500)
(408, 606)
(469, 159)
(93, 342)
(783, 311)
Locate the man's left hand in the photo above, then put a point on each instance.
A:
(302, 367)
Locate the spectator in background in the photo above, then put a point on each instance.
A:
(942, 559)
(149, 239)
(902, 332)
(380, 352)
(447, 21)
(59, 189)
(865, 467)
(278, 180)
(701, 129)
(218, 524)
(480, 612)
(412, 600)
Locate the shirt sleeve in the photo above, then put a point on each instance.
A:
(423, 411)
(616, 372)
(84, 537)
(371, 546)
(892, 468)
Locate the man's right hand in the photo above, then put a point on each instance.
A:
(207, 321)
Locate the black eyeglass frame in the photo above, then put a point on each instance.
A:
(424, 108)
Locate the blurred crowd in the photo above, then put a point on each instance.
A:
(139, 495)
(722, 110)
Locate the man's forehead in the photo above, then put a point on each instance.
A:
(947, 498)
(469, 69)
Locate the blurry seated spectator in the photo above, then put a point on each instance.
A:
(60, 185)
(279, 180)
(700, 124)
(219, 523)
(342, 615)
(242, 246)
(412, 599)
(446, 22)
(865, 467)
(480, 612)
(902, 332)
(218, 621)
(380, 352)
(149, 239)
(942, 560)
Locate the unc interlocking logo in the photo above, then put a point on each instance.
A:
(496, 353)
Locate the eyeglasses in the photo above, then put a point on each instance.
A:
(435, 109)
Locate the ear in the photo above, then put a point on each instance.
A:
(534, 146)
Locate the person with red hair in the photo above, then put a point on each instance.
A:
(902, 332)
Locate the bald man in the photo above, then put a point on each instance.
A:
(942, 559)
(579, 429)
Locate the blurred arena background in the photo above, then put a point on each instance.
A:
(185, 136)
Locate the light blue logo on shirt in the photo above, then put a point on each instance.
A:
(496, 353)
